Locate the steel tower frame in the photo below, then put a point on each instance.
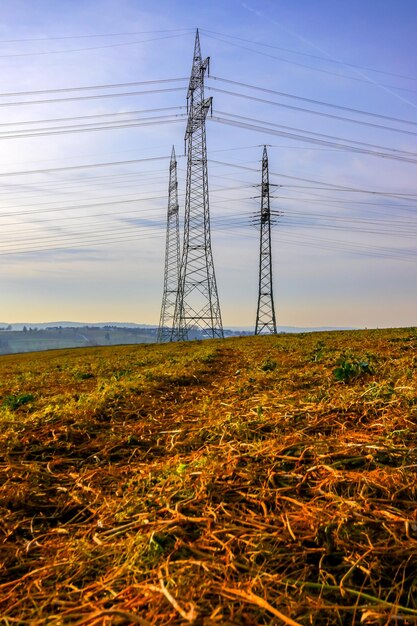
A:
(265, 314)
(172, 256)
(197, 304)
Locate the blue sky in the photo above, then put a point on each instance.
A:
(87, 243)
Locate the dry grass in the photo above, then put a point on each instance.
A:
(248, 481)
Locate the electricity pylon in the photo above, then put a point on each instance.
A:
(197, 306)
(265, 315)
(172, 256)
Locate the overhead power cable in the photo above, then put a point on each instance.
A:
(342, 144)
(361, 248)
(323, 185)
(148, 226)
(110, 45)
(311, 56)
(84, 185)
(65, 130)
(322, 243)
(334, 202)
(39, 222)
(80, 206)
(332, 245)
(230, 221)
(87, 166)
(117, 200)
(128, 225)
(379, 225)
(98, 35)
(93, 97)
(129, 180)
(381, 220)
(367, 81)
(319, 135)
(312, 100)
(107, 200)
(312, 112)
(156, 220)
(77, 236)
(50, 120)
(82, 244)
(50, 185)
(8, 94)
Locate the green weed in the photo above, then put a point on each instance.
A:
(269, 365)
(83, 375)
(13, 402)
(350, 369)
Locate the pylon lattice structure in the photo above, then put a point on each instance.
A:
(172, 256)
(197, 306)
(265, 315)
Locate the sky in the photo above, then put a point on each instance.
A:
(93, 98)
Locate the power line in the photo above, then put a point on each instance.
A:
(402, 229)
(117, 200)
(8, 94)
(97, 35)
(312, 100)
(401, 156)
(329, 201)
(332, 244)
(91, 116)
(65, 130)
(312, 112)
(112, 45)
(312, 56)
(109, 201)
(93, 97)
(360, 248)
(231, 219)
(82, 244)
(51, 186)
(316, 69)
(119, 221)
(323, 184)
(80, 206)
(69, 168)
(79, 236)
(234, 221)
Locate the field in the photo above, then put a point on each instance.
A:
(256, 480)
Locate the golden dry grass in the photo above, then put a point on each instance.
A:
(241, 481)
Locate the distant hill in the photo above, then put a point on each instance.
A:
(33, 337)
(69, 324)
(66, 324)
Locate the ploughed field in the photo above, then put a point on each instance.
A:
(257, 480)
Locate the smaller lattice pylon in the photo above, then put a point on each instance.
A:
(265, 314)
(172, 256)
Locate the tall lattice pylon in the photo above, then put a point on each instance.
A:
(172, 256)
(265, 315)
(197, 307)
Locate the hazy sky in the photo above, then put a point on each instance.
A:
(340, 120)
